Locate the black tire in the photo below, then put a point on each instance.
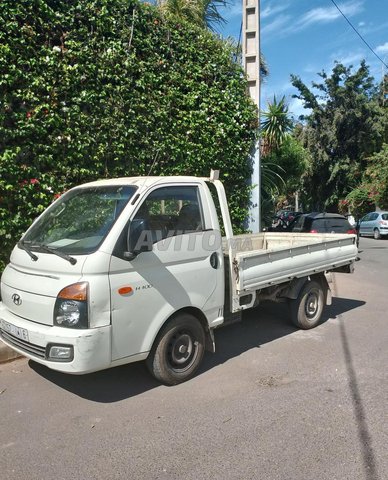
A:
(178, 350)
(376, 234)
(306, 310)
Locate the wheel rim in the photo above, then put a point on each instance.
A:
(182, 350)
(377, 234)
(311, 306)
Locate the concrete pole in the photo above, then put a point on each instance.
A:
(251, 63)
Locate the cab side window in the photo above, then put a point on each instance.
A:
(171, 211)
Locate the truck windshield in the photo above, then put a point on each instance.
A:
(79, 221)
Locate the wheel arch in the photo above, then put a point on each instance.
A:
(297, 285)
(200, 316)
(293, 290)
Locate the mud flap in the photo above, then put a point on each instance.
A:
(329, 297)
(324, 281)
(210, 344)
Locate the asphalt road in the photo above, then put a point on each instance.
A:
(272, 403)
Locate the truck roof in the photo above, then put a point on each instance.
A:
(142, 181)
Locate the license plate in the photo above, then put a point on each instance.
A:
(18, 332)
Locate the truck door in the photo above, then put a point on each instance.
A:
(183, 268)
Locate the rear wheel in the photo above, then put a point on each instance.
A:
(306, 310)
(376, 234)
(178, 350)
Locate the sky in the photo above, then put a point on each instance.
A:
(304, 37)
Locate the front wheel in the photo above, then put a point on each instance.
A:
(306, 310)
(178, 350)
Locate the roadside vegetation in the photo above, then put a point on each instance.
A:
(284, 160)
(336, 157)
(346, 134)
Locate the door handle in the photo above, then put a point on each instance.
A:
(214, 260)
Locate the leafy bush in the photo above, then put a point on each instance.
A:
(108, 88)
(373, 190)
(358, 202)
(375, 178)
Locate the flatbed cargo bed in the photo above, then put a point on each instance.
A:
(266, 259)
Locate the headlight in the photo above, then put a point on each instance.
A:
(68, 313)
(71, 307)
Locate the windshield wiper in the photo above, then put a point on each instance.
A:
(48, 249)
(23, 246)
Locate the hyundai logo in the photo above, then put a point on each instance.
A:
(16, 299)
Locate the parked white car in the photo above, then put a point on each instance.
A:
(374, 224)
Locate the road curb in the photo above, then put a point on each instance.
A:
(7, 354)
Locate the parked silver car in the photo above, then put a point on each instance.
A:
(374, 224)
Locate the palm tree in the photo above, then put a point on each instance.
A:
(276, 125)
(203, 13)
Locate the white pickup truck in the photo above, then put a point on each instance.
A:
(129, 269)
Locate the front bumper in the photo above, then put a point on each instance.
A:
(91, 347)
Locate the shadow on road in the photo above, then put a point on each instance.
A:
(340, 306)
(268, 322)
(365, 439)
(264, 324)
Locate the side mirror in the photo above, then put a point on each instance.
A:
(139, 238)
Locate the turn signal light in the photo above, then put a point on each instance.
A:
(76, 291)
(125, 290)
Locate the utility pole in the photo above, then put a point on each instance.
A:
(251, 63)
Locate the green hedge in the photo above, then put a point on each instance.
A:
(92, 89)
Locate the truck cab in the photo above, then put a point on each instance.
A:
(96, 277)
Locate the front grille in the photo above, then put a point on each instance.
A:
(27, 347)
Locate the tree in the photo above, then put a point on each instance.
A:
(344, 128)
(205, 14)
(276, 125)
(284, 160)
(375, 179)
(202, 13)
(293, 160)
(358, 202)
